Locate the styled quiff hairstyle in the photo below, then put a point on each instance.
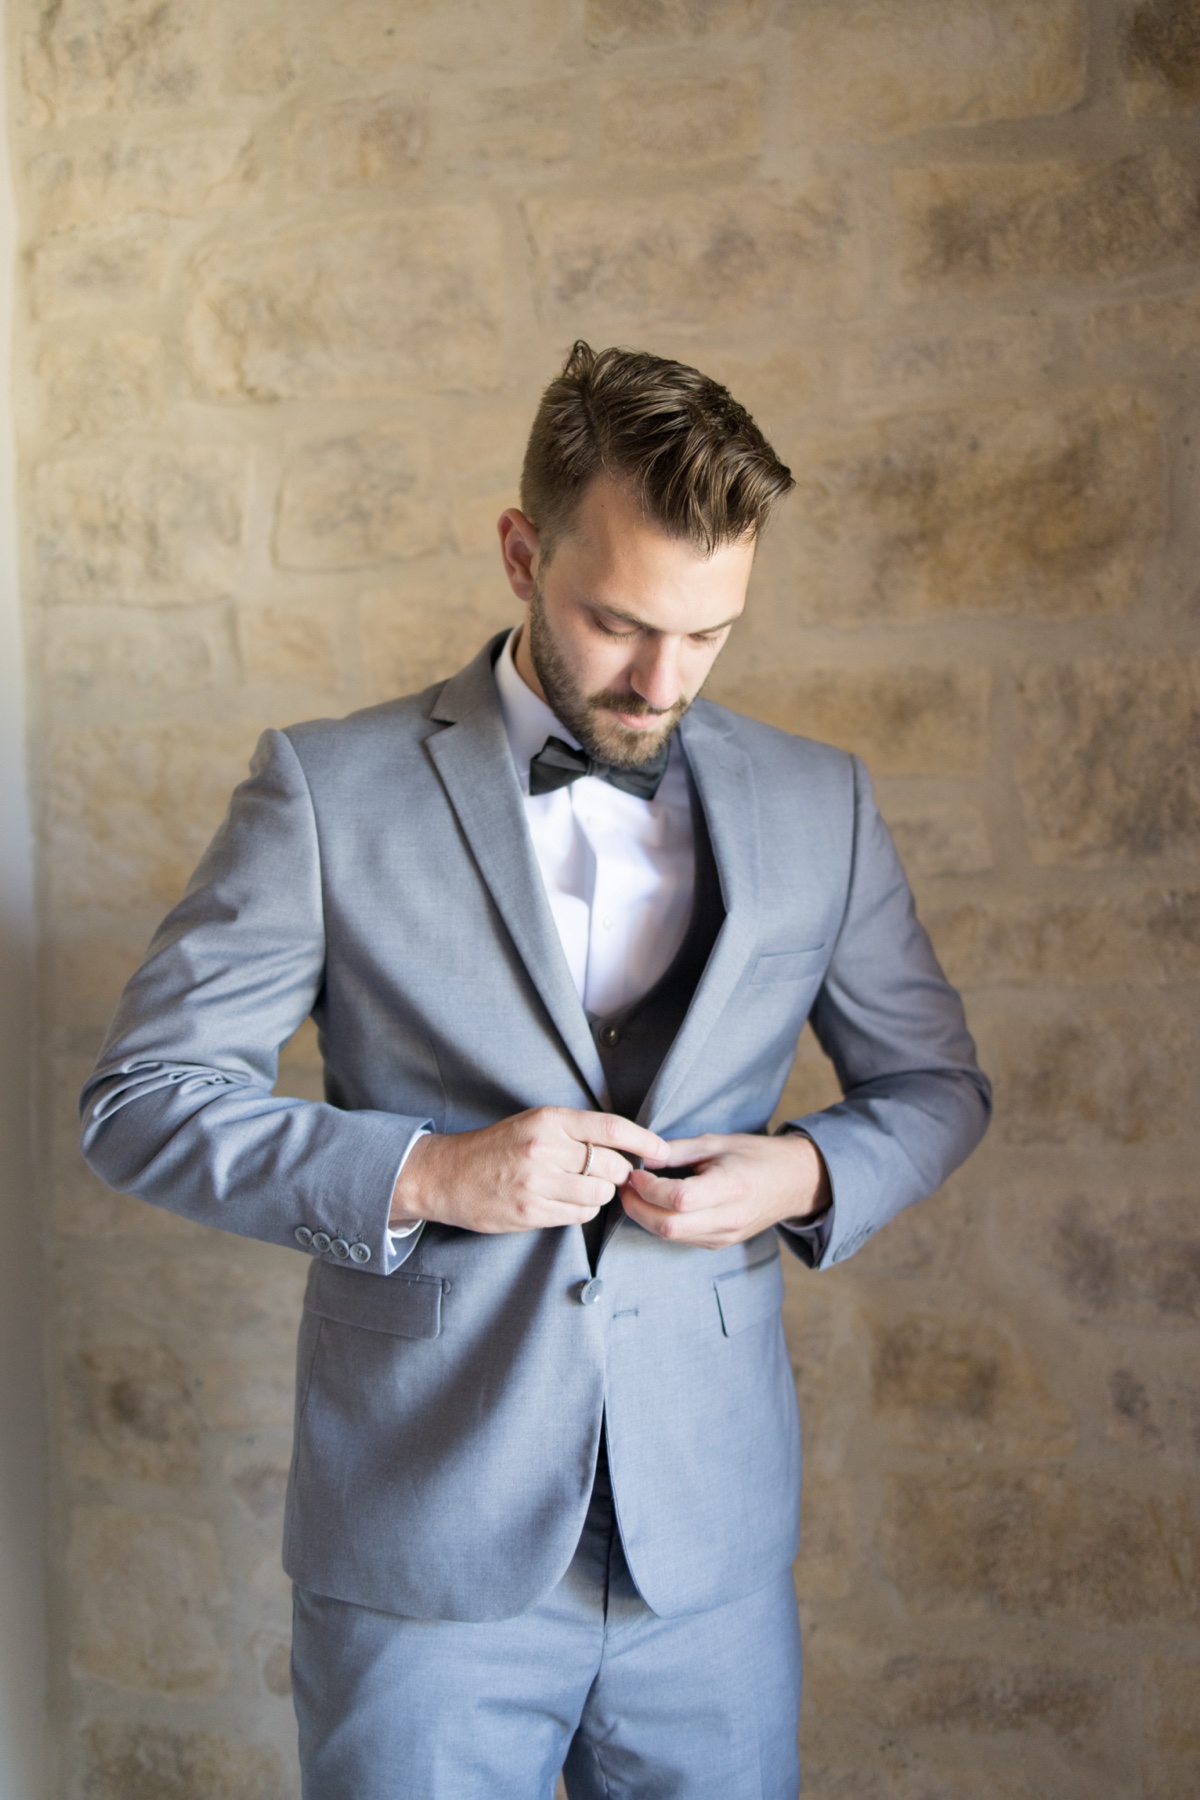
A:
(700, 466)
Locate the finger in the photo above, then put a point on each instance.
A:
(704, 1230)
(612, 1132)
(691, 1150)
(584, 1192)
(674, 1193)
(607, 1165)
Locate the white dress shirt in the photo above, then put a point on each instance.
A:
(619, 872)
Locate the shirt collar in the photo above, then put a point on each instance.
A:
(528, 721)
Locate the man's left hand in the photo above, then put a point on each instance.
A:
(743, 1184)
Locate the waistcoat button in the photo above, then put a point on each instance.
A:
(610, 1037)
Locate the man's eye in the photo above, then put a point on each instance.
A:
(615, 631)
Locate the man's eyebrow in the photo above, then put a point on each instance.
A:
(615, 612)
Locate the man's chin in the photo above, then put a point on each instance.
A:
(625, 747)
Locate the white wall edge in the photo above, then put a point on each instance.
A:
(22, 1456)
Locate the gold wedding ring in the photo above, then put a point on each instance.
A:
(587, 1166)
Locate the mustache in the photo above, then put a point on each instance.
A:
(635, 707)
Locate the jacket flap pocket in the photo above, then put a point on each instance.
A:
(748, 1296)
(786, 965)
(407, 1306)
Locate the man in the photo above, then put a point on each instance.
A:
(560, 924)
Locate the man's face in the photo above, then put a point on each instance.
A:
(624, 622)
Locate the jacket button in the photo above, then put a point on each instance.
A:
(321, 1241)
(591, 1291)
(360, 1253)
(303, 1236)
(610, 1037)
(340, 1248)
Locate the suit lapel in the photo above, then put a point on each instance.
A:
(724, 779)
(474, 762)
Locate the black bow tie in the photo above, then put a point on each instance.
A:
(556, 765)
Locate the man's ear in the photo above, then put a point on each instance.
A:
(519, 547)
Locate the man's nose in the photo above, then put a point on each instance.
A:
(656, 676)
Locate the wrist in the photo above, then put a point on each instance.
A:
(809, 1193)
(409, 1193)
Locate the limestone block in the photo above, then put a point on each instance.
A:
(1013, 352)
(353, 502)
(902, 721)
(1160, 54)
(490, 130)
(775, 388)
(130, 808)
(124, 264)
(429, 623)
(1173, 1750)
(883, 68)
(144, 1587)
(266, 56)
(1169, 327)
(613, 23)
(261, 1487)
(1040, 1546)
(379, 37)
(369, 306)
(93, 385)
(176, 176)
(939, 837)
(989, 1698)
(1107, 760)
(131, 1415)
(936, 1240)
(829, 1559)
(703, 257)
(1103, 942)
(952, 1383)
(92, 56)
(126, 1761)
(232, 1299)
(977, 224)
(273, 1655)
(1011, 508)
(1101, 1075)
(662, 119)
(298, 643)
(256, 1392)
(1119, 1259)
(164, 527)
(358, 143)
(479, 459)
(97, 650)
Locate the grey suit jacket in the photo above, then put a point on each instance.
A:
(377, 873)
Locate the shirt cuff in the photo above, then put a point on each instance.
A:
(397, 1235)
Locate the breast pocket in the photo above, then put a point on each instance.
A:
(778, 966)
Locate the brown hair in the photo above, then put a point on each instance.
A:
(698, 462)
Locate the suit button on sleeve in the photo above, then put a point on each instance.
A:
(340, 1248)
(360, 1253)
(321, 1241)
(303, 1237)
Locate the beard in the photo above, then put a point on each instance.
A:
(589, 717)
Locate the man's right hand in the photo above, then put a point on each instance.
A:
(524, 1174)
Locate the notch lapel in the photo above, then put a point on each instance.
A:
(473, 759)
(724, 778)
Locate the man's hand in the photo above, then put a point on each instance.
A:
(742, 1185)
(524, 1174)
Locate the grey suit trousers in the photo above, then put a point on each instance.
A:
(703, 1706)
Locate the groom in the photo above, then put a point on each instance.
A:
(560, 924)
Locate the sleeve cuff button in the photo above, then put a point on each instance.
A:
(360, 1253)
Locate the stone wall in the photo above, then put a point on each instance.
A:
(292, 278)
